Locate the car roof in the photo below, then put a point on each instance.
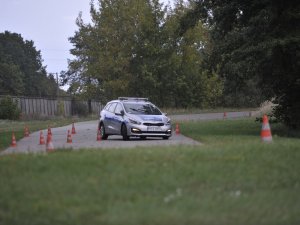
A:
(133, 99)
(130, 99)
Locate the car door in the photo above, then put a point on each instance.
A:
(118, 119)
(109, 118)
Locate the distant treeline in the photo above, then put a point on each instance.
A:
(21, 69)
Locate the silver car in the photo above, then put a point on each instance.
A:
(133, 117)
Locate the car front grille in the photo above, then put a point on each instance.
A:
(153, 124)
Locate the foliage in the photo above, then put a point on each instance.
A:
(60, 108)
(21, 69)
(9, 109)
(11, 79)
(256, 46)
(79, 108)
(133, 48)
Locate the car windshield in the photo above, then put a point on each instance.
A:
(144, 109)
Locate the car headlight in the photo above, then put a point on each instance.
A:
(134, 121)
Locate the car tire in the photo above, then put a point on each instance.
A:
(124, 132)
(103, 134)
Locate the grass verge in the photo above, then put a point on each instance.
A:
(232, 179)
(180, 111)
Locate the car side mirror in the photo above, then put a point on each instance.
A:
(121, 113)
(166, 114)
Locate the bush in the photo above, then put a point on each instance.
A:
(79, 108)
(9, 109)
(288, 109)
(60, 108)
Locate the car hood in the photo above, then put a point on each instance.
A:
(150, 118)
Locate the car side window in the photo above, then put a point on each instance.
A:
(107, 107)
(118, 109)
(112, 107)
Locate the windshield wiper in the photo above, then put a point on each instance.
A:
(137, 110)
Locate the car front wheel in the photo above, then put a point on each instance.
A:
(124, 132)
(103, 134)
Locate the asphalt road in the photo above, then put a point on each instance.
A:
(212, 116)
(86, 136)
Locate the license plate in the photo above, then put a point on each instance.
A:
(154, 129)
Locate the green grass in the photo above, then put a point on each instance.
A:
(179, 111)
(232, 178)
(223, 131)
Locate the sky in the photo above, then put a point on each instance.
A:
(48, 23)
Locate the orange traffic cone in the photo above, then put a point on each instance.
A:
(99, 138)
(49, 146)
(177, 130)
(265, 133)
(26, 131)
(69, 138)
(73, 129)
(13, 140)
(224, 115)
(42, 140)
(49, 130)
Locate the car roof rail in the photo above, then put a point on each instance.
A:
(132, 99)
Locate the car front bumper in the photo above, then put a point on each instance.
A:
(149, 131)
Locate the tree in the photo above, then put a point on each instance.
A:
(111, 53)
(255, 45)
(132, 47)
(11, 79)
(194, 85)
(21, 69)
